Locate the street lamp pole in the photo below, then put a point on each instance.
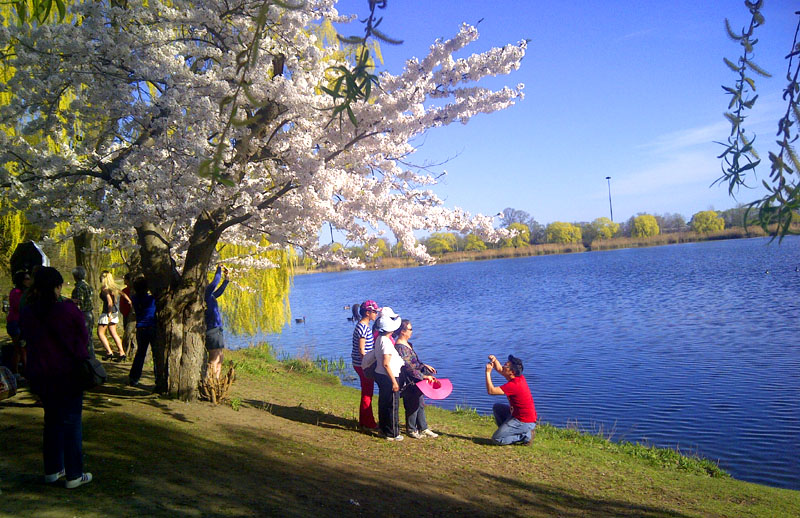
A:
(610, 208)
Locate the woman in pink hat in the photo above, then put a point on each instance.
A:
(363, 342)
(413, 370)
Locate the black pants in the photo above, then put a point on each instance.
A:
(388, 406)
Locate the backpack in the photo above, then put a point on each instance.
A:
(8, 383)
(368, 364)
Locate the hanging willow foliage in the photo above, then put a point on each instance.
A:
(257, 298)
(12, 233)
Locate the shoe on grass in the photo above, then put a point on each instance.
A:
(415, 434)
(427, 432)
(398, 438)
(83, 479)
(53, 477)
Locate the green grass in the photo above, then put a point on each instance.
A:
(288, 444)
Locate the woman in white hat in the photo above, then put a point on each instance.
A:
(387, 373)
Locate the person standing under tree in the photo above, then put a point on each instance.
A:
(110, 316)
(82, 295)
(144, 307)
(22, 282)
(215, 343)
(128, 318)
(57, 335)
(516, 422)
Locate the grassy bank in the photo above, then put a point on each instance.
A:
(287, 444)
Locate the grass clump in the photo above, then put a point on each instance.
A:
(655, 456)
(258, 360)
(467, 411)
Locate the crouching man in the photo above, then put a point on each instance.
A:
(517, 420)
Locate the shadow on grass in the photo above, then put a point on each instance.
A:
(303, 415)
(182, 467)
(168, 411)
(147, 469)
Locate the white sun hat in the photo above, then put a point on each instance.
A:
(388, 321)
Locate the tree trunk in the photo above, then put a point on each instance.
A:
(87, 254)
(179, 351)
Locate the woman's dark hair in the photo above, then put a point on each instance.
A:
(140, 286)
(19, 279)
(45, 281)
(403, 326)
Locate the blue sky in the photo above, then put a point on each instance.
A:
(626, 89)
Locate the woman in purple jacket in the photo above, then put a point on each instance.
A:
(56, 333)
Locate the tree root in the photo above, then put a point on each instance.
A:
(214, 388)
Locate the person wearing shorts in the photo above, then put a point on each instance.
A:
(215, 342)
(110, 316)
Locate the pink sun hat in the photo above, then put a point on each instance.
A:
(439, 389)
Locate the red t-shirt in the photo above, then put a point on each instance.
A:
(520, 399)
(124, 307)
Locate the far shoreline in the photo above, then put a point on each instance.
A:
(615, 243)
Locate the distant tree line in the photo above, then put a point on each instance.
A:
(528, 231)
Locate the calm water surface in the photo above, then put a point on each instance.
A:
(692, 346)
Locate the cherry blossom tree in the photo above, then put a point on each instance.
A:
(189, 122)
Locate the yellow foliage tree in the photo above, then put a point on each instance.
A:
(707, 221)
(257, 299)
(561, 232)
(523, 237)
(645, 225)
(12, 233)
(605, 228)
(474, 243)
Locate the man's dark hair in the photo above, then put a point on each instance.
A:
(516, 365)
(140, 286)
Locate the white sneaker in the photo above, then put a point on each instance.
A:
(428, 432)
(83, 479)
(398, 438)
(49, 479)
(415, 434)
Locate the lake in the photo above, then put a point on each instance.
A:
(692, 346)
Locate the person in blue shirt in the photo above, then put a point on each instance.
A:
(215, 344)
(144, 306)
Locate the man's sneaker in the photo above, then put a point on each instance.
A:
(415, 434)
(398, 438)
(49, 479)
(429, 433)
(83, 479)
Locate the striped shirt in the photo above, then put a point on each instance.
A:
(361, 331)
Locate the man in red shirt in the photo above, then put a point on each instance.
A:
(517, 420)
(128, 318)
